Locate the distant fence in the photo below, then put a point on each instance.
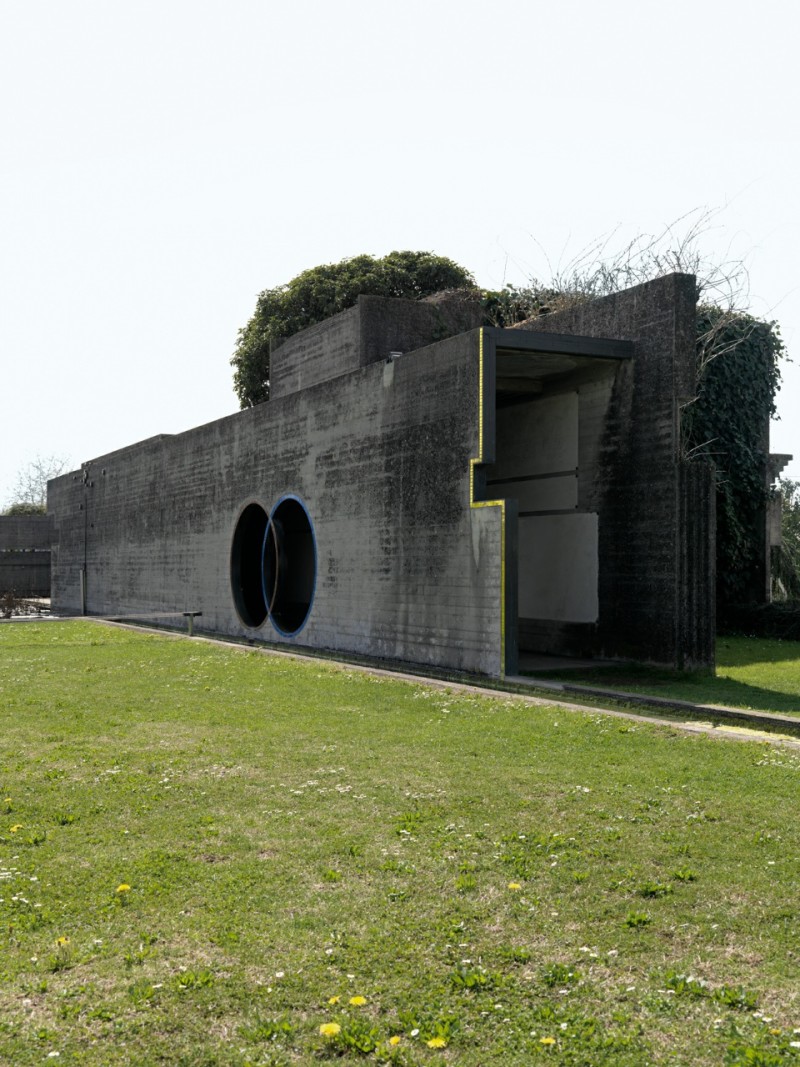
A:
(25, 554)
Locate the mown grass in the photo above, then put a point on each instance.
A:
(501, 883)
(753, 673)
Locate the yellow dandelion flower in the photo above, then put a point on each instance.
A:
(436, 1042)
(18, 826)
(547, 1041)
(358, 1001)
(330, 1029)
(394, 1040)
(333, 1000)
(515, 886)
(62, 941)
(123, 887)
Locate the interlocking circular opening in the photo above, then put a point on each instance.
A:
(274, 566)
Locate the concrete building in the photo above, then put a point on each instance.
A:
(419, 488)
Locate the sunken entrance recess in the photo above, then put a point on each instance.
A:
(274, 566)
(552, 394)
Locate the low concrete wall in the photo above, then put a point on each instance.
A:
(25, 573)
(366, 334)
(25, 554)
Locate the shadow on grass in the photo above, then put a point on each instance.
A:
(736, 651)
(696, 688)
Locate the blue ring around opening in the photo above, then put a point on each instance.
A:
(276, 505)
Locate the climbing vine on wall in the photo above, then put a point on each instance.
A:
(738, 377)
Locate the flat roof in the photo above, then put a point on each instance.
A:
(559, 343)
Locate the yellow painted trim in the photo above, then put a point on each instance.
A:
(473, 503)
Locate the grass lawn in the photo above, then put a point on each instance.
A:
(208, 854)
(753, 673)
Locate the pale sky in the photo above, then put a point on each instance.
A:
(162, 163)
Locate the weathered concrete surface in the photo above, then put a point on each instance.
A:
(380, 458)
(367, 333)
(25, 554)
(379, 453)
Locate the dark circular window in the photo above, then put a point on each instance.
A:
(246, 552)
(289, 566)
(274, 566)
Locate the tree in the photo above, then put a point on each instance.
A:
(29, 495)
(25, 509)
(322, 291)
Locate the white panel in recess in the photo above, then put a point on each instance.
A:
(538, 437)
(558, 567)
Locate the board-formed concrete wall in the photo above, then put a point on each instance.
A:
(25, 555)
(436, 538)
(380, 459)
(366, 333)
